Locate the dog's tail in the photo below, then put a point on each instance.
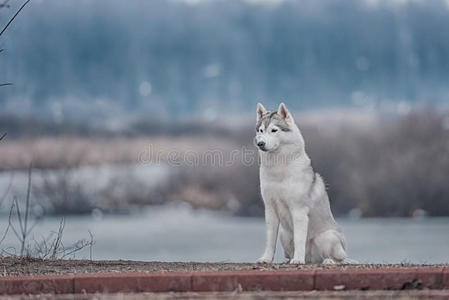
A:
(340, 252)
(339, 255)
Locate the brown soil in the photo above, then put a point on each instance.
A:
(11, 266)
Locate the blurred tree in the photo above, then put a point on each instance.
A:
(225, 55)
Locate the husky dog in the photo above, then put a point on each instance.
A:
(294, 195)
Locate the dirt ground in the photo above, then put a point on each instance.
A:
(11, 266)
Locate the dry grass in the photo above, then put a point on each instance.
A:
(63, 152)
(394, 167)
(384, 166)
(14, 266)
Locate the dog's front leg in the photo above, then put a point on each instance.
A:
(272, 224)
(300, 226)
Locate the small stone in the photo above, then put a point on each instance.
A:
(339, 287)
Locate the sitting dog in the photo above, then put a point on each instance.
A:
(294, 195)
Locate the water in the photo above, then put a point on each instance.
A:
(177, 233)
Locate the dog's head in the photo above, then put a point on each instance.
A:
(274, 128)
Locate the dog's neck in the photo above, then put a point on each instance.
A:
(288, 155)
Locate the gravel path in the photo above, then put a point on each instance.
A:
(10, 266)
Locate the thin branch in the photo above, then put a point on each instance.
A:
(91, 243)
(58, 239)
(19, 215)
(10, 222)
(24, 226)
(9, 225)
(39, 248)
(3, 136)
(75, 248)
(15, 15)
(27, 206)
(9, 253)
(14, 230)
(5, 84)
(32, 227)
(5, 194)
(48, 248)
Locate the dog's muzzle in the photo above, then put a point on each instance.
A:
(261, 145)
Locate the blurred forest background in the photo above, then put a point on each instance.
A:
(98, 83)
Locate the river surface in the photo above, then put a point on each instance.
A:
(178, 233)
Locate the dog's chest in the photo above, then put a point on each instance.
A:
(284, 190)
(285, 185)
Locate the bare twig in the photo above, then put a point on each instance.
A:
(9, 225)
(22, 220)
(3, 136)
(51, 247)
(19, 215)
(8, 188)
(15, 15)
(32, 226)
(58, 240)
(79, 245)
(27, 206)
(9, 253)
(3, 5)
(91, 244)
(43, 249)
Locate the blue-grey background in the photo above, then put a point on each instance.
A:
(174, 58)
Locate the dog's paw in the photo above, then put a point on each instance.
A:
(328, 261)
(297, 261)
(264, 260)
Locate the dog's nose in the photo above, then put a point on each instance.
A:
(261, 144)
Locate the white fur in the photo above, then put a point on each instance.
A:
(295, 198)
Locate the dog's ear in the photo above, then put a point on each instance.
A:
(284, 113)
(260, 111)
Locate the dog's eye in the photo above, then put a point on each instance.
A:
(261, 130)
(274, 130)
